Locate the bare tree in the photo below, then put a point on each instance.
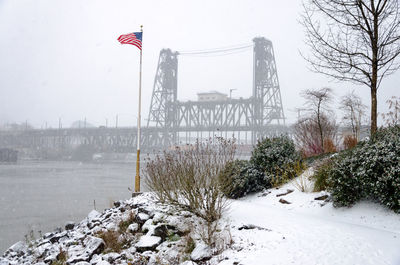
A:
(359, 41)
(308, 138)
(354, 111)
(392, 118)
(313, 129)
(317, 101)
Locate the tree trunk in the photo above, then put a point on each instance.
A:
(374, 81)
(374, 112)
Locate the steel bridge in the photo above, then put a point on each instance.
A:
(173, 122)
(247, 119)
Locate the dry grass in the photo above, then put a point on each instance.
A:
(110, 238)
(303, 182)
(123, 224)
(349, 141)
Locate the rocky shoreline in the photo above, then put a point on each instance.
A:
(136, 231)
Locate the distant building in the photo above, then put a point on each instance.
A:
(212, 96)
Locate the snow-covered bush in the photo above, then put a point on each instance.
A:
(370, 170)
(272, 153)
(274, 161)
(277, 158)
(240, 177)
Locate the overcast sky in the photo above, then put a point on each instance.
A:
(62, 58)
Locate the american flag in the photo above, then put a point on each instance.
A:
(134, 38)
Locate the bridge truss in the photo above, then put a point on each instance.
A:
(173, 122)
(247, 119)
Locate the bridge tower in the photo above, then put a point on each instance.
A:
(261, 115)
(266, 92)
(162, 107)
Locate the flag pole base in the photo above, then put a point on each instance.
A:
(135, 194)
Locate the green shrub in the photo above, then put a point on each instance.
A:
(274, 161)
(272, 153)
(371, 170)
(240, 177)
(321, 175)
(286, 172)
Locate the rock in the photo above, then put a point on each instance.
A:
(176, 223)
(321, 198)
(19, 248)
(133, 228)
(96, 259)
(142, 218)
(250, 226)
(148, 243)
(284, 201)
(158, 217)
(69, 225)
(93, 215)
(111, 257)
(285, 193)
(94, 245)
(117, 204)
(161, 231)
(148, 226)
(4, 261)
(264, 193)
(188, 262)
(103, 262)
(57, 237)
(201, 252)
(82, 263)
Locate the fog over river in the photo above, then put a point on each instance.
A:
(40, 196)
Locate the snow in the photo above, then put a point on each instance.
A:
(304, 232)
(92, 215)
(200, 252)
(263, 231)
(148, 241)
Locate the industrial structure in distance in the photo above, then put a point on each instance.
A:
(172, 122)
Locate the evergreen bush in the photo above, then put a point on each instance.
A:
(240, 178)
(274, 161)
(272, 153)
(371, 170)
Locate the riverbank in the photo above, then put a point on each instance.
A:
(272, 227)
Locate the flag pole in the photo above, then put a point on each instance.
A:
(137, 178)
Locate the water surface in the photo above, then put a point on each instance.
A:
(37, 195)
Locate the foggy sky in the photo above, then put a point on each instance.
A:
(61, 59)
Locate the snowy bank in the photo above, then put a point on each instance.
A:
(262, 229)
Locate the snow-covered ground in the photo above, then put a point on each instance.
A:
(304, 232)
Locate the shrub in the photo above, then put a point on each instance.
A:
(274, 161)
(329, 146)
(370, 170)
(111, 240)
(277, 158)
(272, 153)
(321, 175)
(188, 177)
(349, 141)
(286, 172)
(240, 177)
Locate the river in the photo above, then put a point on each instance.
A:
(40, 196)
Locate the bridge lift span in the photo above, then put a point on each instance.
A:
(247, 119)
